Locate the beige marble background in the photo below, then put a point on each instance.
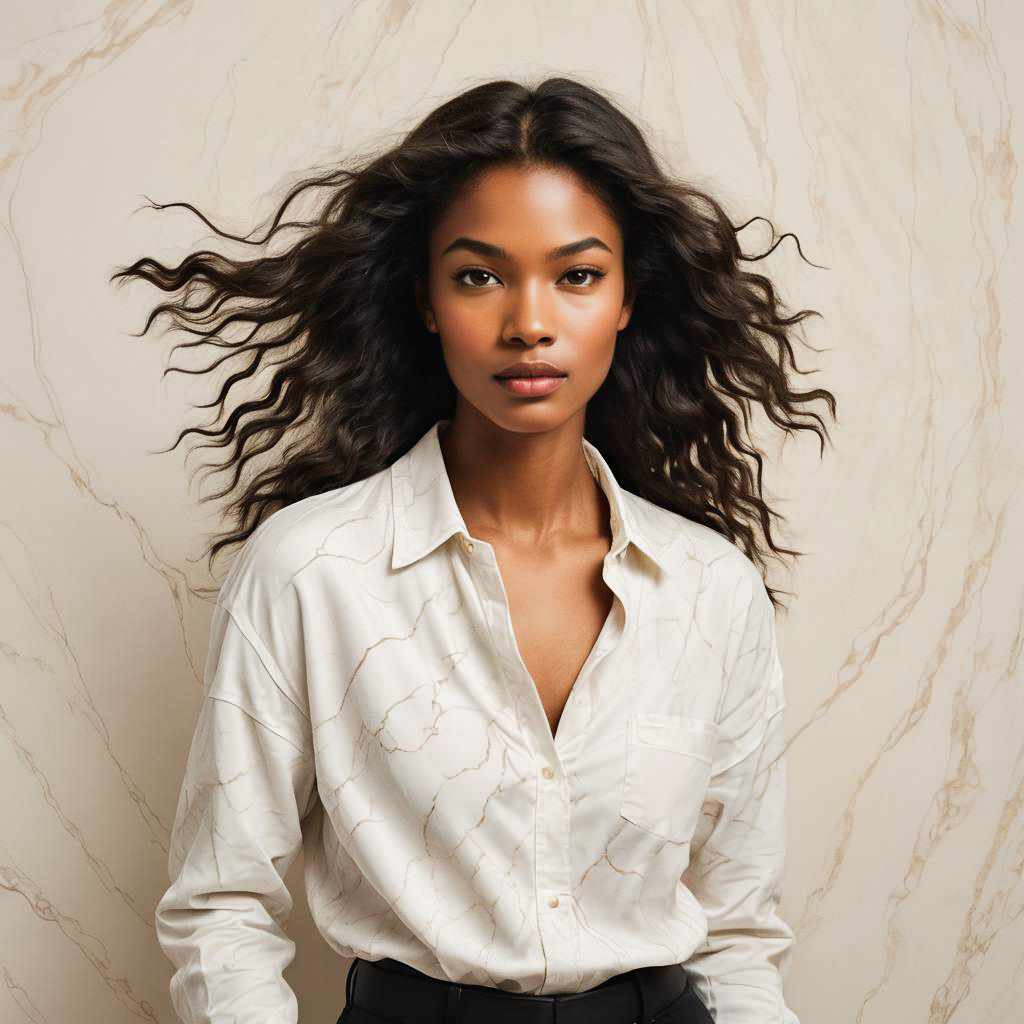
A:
(882, 133)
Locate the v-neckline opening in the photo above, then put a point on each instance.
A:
(606, 626)
(570, 697)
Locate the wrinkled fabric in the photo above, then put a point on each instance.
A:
(364, 701)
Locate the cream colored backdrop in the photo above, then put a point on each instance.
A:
(883, 134)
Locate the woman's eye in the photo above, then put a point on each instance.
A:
(593, 272)
(472, 270)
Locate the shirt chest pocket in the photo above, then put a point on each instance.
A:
(667, 770)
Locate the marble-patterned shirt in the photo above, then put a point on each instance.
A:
(364, 701)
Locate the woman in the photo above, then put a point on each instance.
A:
(495, 652)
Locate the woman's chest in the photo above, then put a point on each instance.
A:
(427, 727)
(426, 670)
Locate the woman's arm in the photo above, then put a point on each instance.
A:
(249, 780)
(736, 870)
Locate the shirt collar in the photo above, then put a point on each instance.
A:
(426, 515)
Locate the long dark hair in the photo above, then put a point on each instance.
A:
(353, 377)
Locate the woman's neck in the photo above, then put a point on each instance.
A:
(524, 488)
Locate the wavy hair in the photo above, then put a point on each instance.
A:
(351, 377)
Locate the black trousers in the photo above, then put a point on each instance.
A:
(390, 992)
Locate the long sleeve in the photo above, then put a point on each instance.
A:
(249, 780)
(736, 872)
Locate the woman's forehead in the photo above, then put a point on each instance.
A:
(535, 208)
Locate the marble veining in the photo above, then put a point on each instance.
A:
(883, 135)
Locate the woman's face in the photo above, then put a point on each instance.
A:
(500, 292)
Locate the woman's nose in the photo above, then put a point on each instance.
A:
(531, 313)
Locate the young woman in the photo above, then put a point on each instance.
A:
(496, 652)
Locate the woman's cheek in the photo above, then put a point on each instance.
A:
(465, 321)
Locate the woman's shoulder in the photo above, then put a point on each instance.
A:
(288, 543)
(682, 543)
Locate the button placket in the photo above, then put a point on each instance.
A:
(559, 929)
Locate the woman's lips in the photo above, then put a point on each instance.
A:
(530, 385)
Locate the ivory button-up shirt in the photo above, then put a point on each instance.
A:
(364, 700)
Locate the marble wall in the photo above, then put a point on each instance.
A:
(882, 134)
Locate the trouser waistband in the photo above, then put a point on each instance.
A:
(392, 989)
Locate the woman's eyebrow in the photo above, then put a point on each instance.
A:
(496, 252)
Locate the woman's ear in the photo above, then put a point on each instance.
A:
(423, 304)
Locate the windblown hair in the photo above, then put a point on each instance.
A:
(354, 378)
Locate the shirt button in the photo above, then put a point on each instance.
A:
(469, 546)
(548, 772)
(552, 901)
